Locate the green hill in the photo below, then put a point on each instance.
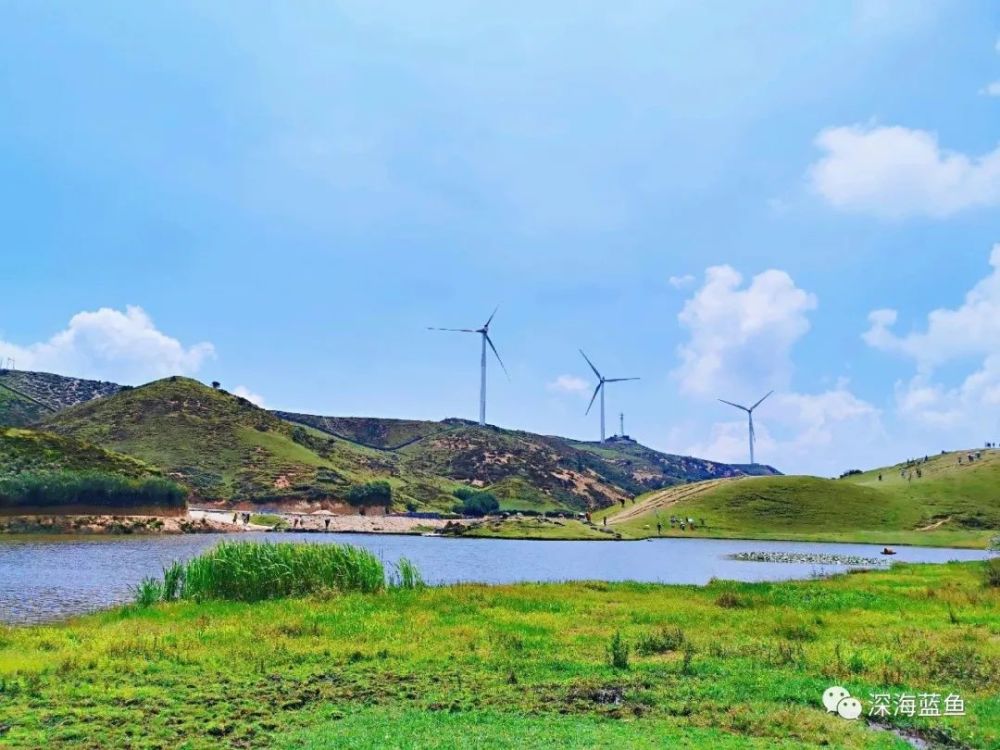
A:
(947, 504)
(226, 449)
(42, 472)
(221, 446)
(26, 397)
(524, 470)
(24, 450)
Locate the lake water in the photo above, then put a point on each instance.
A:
(46, 578)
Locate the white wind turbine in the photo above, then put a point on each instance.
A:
(485, 333)
(749, 412)
(600, 389)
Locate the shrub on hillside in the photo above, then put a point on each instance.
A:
(478, 504)
(371, 493)
(58, 488)
(991, 572)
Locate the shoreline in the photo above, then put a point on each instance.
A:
(217, 521)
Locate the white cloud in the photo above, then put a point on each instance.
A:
(110, 344)
(569, 384)
(965, 411)
(972, 329)
(823, 433)
(896, 172)
(254, 398)
(741, 337)
(992, 89)
(681, 282)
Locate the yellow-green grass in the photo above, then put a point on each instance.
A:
(949, 505)
(514, 666)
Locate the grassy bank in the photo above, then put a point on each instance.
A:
(725, 665)
(935, 502)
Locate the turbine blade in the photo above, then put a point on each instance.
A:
(596, 391)
(592, 366)
(490, 320)
(618, 380)
(738, 406)
(495, 352)
(761, 401)
(460, 330)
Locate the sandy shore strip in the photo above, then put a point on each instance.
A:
(318, 522)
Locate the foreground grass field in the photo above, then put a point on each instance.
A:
(726, 665)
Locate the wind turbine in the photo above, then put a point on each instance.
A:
(485, 333)
(749, 412)
(600, 389)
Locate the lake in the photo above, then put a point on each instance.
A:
(46, 578)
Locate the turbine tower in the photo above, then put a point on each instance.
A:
(484, 332)
(749, 412)
(600, 389)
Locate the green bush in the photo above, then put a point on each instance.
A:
(991, 572)
(371, 493)
(618, 651)
(478, 504)
(54, 488)
(668, 639)
(255, 571)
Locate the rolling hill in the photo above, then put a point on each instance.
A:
(220, 445)
(226, 449)
(26, 397)
(523, 469)
(25, 450)
(949, 503)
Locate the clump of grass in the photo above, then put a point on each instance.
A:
(991, 572)
(666, 640)
(148, 592)
(254, 571)
(406, 576)
(729, 600)
(618, 651)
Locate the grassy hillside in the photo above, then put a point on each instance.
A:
(18, 409)
(23, 450)
(26, 396)
(524, 470)
(220, 445)
(224, 448)
(948, 504)
(383, 434)
(60, 474)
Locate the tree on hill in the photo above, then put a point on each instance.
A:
(371, 493)
(475, 503)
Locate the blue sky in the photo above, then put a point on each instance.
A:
(715, 199)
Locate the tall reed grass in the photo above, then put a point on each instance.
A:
(254, 571)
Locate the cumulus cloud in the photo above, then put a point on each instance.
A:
(822, 433)
(971, 329)
(741, 336)
(253, 398)
(896, 172)
(992, 89)
(681, 282)
(569, 384)
(110, 344)
(950, 336)
(740, 341)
